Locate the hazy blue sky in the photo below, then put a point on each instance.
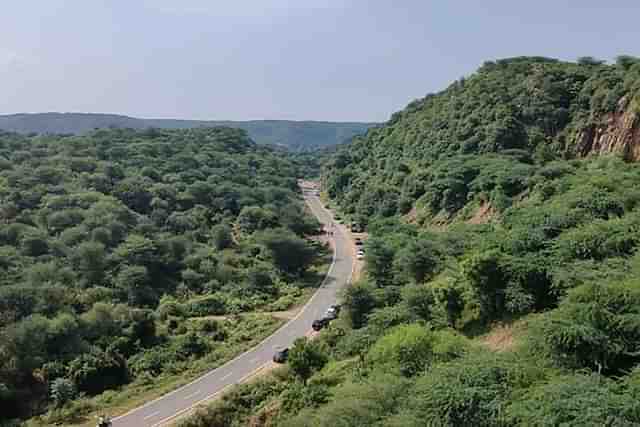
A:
(280, 59)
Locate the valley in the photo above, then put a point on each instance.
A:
(496, 279)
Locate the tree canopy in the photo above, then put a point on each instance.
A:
(111, 241)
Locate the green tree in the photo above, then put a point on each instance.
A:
(420, 301)
(406, 348)
(379, 261)
(483, 272)
(290, 253)
(358, 301)
(222, 236)
(596, 327)
(306, 357)
(137, 250)
(62, 391)
(134, 281)
(90, 259)
(417, 260)
(575, 400)
(254, 218)
(97, 370)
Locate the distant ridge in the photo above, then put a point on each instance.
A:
(295, 135)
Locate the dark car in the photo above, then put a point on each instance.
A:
(320, 323)
(281, 355)
(358, 241)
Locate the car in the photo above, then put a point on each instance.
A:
(320, 323)
(360, 251)
(281, 355)
(332, 312)
(360, 255)
(358, 241)
(104, 421)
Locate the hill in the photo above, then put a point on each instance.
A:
(122, 252)
(510, 198)
(294, 135)
(522, 110)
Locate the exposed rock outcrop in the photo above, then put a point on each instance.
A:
(618, 133)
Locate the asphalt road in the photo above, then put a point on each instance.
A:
(167, 408)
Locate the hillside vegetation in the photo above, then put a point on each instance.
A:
(293, 135)
(121, 252)
(510, 198)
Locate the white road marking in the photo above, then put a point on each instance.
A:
(192, 394)
(226, 376)
(151, 415)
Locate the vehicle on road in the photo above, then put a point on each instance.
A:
(320, 323)
(104, 421)
(358, 241)
(281, 355)
(360, 254)
(356, 228)
(332, 312)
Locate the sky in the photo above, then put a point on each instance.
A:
(338, 60)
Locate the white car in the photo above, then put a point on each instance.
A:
(332, 312)
(360, 255)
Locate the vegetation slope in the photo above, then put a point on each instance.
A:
(118, 249)
(484, 203)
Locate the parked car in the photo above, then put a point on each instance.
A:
(332, 312)
(320, 323)
(104, 421)
(281, 355)
(358, 241)
(360, 254)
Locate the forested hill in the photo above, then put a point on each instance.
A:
(512, 113)
(512, 197)
(117, 247)
(294, 135)
(502, 277)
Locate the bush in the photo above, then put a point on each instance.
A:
(62, 391)
(575, 400)
(596, 327)
(306, 357)
(462, 393)
(209, 305)
(407, 349)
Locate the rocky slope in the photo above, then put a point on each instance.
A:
(618, 132)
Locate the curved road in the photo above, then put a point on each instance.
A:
(167, 408)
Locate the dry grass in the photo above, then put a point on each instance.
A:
(483, 215)
(502, 337)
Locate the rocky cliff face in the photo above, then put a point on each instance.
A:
(618, 133)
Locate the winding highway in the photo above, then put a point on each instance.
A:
(166, 409)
